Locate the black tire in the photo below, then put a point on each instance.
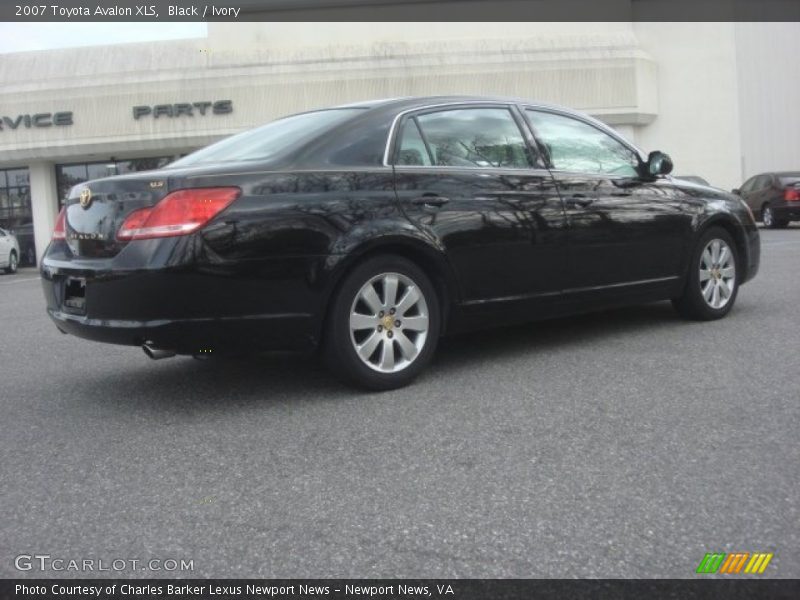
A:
(339, 343)
(691, 304)
(769, 219)
(12, 263)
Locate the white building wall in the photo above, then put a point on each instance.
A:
(269, 70)
(698, 120)
(45, 203)
(769, 96)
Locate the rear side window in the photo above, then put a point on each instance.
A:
(270, 140)
(479, 138)
(762, 182)
(578, 147)
(412, 147)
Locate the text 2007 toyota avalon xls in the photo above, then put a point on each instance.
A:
(370, 230)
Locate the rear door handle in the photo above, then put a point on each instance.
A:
(578, 200)
(434, 200)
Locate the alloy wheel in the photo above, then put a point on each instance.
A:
(12, 263)
(389, 322)
(766, 216)
(717, 273)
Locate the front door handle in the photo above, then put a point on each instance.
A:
(433, 200)
(579, 201)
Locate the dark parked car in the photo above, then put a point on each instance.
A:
(371, 229)
(774, 197)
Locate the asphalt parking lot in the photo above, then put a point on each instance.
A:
(621, 444)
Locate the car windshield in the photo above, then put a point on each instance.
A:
(269, 140)
(790, 179)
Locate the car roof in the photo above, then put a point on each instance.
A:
(405, 103)
(777, 174)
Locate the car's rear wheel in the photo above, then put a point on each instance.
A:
(12, 263)
(713, 280)
(770, 220)
(383, 325)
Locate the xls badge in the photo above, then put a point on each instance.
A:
(85, 198)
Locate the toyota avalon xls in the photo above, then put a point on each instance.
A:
(372, 229)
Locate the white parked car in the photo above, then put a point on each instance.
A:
(9, 251)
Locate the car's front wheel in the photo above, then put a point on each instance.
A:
(713, 279)
(383, 325)
(12, 263)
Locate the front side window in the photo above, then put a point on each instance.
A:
(579, 147)
(748, 185)
(466, 137)
(762, 182)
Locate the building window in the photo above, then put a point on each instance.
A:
(15, 210)
(68, 176)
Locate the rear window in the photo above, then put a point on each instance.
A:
(271, 139)
(790, 180)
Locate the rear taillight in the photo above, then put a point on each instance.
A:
(60, 230)
(178, 213)
(791, 194)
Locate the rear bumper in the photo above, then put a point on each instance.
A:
(787, 210)
(194, 336)
(267, 305)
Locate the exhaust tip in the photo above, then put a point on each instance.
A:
(156, 353)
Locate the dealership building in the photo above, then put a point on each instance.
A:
(721, 98)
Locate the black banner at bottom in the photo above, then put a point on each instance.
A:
(397, 589)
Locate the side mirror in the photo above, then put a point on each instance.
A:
(659, 163)
(736, 191)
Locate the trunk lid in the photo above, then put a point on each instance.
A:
(95, 210)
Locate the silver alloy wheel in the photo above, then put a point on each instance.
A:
(389, 322)
(12, 263)
(717, 273)
(766, 216)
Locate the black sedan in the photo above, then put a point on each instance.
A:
(372, 229)
(775, 197)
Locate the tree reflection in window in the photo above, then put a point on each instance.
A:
(471, 137)
(579, 147)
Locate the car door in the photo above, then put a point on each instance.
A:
(624, 232)
(468, 177)
(756, 195)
